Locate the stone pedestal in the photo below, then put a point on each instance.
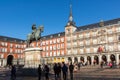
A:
(32, 57)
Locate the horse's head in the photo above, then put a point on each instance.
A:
(41, 28)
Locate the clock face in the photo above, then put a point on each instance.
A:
(71, 18)
(68, 23)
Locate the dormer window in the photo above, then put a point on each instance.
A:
(81, 29)
(58, 34)
(5, 39)
(87, 28)
(44, 37)
(51, 36)
(118, 22)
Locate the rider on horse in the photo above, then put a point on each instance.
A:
(34, 29)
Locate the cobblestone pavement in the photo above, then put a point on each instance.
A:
(85, 73)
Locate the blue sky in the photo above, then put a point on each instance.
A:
(17, 16)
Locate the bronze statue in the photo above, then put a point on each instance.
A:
(35, 35)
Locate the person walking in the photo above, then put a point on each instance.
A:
(71, 68)
(111, 64)
(59, 71)
(79, 66)
(101, 64)
(55, 68)
(13, 72)
(46, 69)
(64, 70)
(39, 72)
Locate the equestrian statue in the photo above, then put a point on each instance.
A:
(35, 35)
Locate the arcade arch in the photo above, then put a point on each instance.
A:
(10, 60)
(104, 58)
(112, 57)
(82, 59)
(69, 59)
(96, 59)
(89, 60)
(75, 60)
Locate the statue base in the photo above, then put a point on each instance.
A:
(32, 57)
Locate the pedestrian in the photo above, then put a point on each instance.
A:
(59, 71)
(55, 68)
(101, 64)
(64, 70)
(46, 69)
(39, 72)
(71, 68)
(94, 62)
(79, 66)
(13, 72)
(119, 65)
(110, 64)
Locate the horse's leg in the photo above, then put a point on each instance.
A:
(36, 42)
(28, 43)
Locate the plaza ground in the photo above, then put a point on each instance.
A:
(85, 73)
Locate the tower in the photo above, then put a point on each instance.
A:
(70, 29)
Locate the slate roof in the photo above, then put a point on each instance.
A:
(10, 39)
(96, 25)
(56, 35)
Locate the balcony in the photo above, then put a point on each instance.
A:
(75, 46)
(69, 47)
(68, 41)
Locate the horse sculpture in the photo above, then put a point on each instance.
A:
(35, 35)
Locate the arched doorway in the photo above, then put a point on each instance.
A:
(89, 60)
(112, 57)
(75, 60)
(69, 59)
(119, 57)
(82, 59)
(96, 59)
(104, 58)
(10, 60)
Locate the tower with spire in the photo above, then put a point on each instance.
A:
(70, 27)
(71, 22)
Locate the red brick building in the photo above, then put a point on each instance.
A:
(11, 49)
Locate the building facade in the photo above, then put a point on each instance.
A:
(87, 44)
(94, 43)
(11, 51)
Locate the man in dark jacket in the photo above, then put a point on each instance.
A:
(59, 70)
(39, 72)
(46, 69)
(55, 68)
(71, 68)
(64, 70)
(13, 73)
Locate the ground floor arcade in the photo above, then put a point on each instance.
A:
(89, 59)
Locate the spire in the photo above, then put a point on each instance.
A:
(70, 17)
(71, 22)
